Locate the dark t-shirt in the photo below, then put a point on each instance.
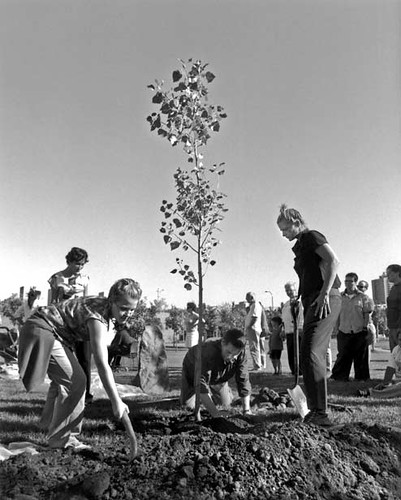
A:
(394, 307)
(214, 369)
(308, 264)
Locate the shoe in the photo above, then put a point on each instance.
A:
(308, 416)
(76, 445)
(319, 419)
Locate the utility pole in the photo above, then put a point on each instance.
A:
(268, 291)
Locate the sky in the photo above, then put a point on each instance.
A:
(312, 93)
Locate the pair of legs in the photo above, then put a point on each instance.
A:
(64, 408)
(256, 348)
(352, 348)
(314, 345)
(392, 338)
(290, 340)
(221, 395)
(275, 356)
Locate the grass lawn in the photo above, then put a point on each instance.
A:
(20, 412)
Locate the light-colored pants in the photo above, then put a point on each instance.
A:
(191, 338)
(256, 348)
(64, 408)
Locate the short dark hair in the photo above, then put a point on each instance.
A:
(277, 319)
(235, 337)
(191, 305)
(125, 286)
(353, 276)
(395, 268)
(77, 254)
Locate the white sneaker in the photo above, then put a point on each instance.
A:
(74, 443)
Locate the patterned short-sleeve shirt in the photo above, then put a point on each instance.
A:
(68, 319)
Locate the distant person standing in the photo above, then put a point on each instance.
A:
(191, 325)
(316, 265)
(394, 304)
(276, 343)
(253, 330)
(29, 306)
(352, 336)
(293, 318)
(372, 332)
(71, 283)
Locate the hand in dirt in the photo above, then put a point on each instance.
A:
(131, 434)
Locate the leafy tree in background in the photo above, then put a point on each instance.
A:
(9, 306)
(175, 321)
(186, 118)
(231, 316)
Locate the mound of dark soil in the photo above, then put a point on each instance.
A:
(233, 458)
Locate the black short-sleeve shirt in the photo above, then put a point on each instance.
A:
(308, 264)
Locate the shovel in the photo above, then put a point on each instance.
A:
(296, 393)
(131, 434)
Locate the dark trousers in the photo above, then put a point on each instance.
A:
(352, 348)
(83, 353)
(315, 341)
(290, 337)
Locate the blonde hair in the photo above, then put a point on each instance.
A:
(290, 215)
(125, 286)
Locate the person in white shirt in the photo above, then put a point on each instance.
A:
(293, 317)
(253, 330)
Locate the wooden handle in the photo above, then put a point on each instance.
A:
(131, 434)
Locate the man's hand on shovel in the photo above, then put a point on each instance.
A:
(131, 434)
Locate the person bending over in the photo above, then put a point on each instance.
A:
(47, 346)
(222, 359)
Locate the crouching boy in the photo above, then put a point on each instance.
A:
(222, 359)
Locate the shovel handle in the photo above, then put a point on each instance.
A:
(296, 354)
(131, 434)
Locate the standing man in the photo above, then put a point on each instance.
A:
(352, 336)
(394, 304)
(253, 330)
(293, 318)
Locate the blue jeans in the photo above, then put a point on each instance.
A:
(315, 342)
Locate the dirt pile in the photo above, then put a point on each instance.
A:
(233, 458)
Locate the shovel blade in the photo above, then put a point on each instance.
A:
(299, 399)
